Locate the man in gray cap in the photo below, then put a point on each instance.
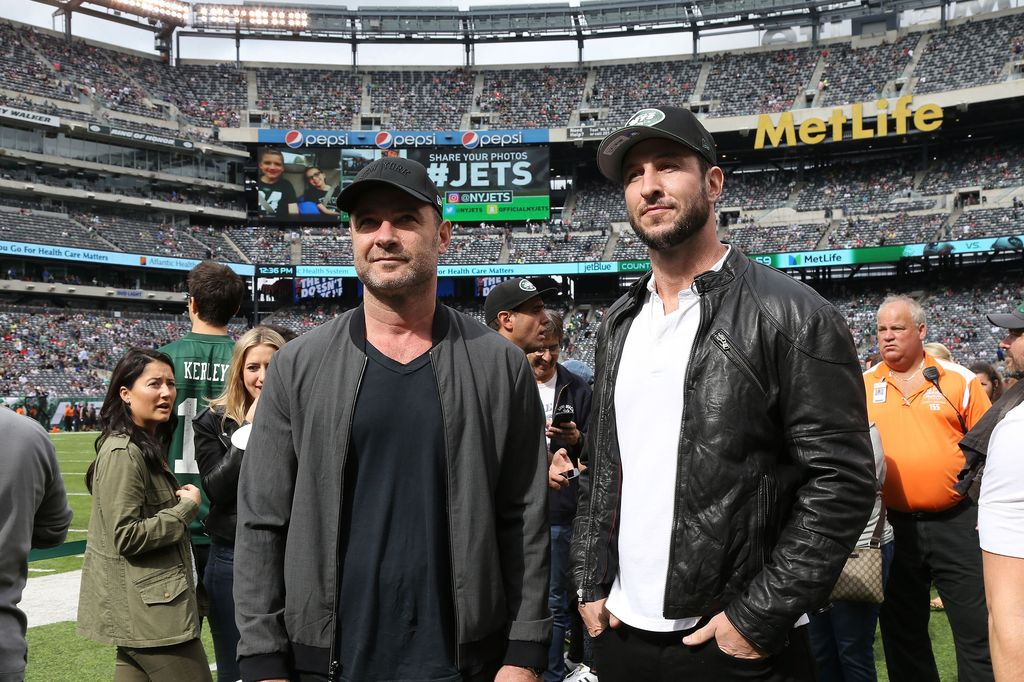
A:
(993, 445)
(392, 506)
(723, 494)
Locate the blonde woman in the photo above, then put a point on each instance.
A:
(219, 462)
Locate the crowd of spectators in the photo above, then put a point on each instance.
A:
(532, 98)
(566, 248)
(863, 187)
(757, 190)
(970, 54)
(619, 87)
(758, 82)
(901, 228)
(860, 75)
(309, 98)
(988, 165)
(988, 222)
(423, 100)
(753, 237)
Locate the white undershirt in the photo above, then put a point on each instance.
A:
(1001, 505)
(648, 418)
(547, 398)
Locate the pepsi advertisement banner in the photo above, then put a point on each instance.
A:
(402, 139)
(492, 184)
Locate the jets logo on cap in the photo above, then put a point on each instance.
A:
(470, 140)
(293, 138)
(646, 117)
(384, 140)
(526, 285)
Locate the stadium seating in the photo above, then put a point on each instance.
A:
(859, 75)
(871, 187)
(621, 88)
(532, 98)
(571, 248)
(970, 54)
(990, 222)
(758, 82)
(309, 98)
(901, 228)
(755, 238)
(988, 166)
(423, 100)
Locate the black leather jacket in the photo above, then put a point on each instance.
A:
(775, 475)
(219, 463)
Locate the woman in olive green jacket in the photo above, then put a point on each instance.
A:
(138, 580)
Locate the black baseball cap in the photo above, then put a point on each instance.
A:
(511, 294)
(671, 123)
(404, 174)
(1011, 320)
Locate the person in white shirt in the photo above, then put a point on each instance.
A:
(1001, 513)
(729, 468)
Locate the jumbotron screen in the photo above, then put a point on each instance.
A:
(479, 185)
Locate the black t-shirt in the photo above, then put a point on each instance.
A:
(274, 198)
(396, 614)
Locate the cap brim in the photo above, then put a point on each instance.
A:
(613, 149)
(350, 195)
(1007, 320)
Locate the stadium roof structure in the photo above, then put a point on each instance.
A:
(487, 24)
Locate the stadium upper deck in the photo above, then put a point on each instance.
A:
(102, 80)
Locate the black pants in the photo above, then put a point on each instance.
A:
(626, 654)
(941, 548)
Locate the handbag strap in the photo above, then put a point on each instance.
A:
(876, 537)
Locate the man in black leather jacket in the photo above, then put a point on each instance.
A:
(730, 469)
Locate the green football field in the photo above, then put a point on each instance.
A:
(57, 654)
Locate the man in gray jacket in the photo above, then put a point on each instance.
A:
(392, 504)
(35, 513)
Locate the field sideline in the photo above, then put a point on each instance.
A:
(57, 654)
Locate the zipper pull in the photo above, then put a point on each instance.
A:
(332, 671)
(722, 340)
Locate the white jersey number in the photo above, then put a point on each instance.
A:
(187, 464)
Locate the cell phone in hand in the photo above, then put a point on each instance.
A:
(563, 415)
(571, 473)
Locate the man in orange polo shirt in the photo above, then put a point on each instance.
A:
(922, 407)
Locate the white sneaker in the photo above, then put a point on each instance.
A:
(582, 673)
(569, 663)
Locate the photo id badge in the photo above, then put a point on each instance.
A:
(879, 394)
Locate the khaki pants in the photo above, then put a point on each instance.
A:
(178, 663)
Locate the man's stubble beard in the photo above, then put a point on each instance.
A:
(686, 225)
(416, 278)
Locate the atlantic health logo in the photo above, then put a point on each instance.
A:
(384, 140)
(471, 139)
(293, 138)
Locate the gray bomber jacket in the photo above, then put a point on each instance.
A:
(290, 496)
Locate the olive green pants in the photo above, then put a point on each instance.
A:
(178, 663)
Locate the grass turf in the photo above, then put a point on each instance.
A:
(57, 654)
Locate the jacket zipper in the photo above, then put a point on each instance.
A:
(679, 443)
(614, 368)
(722, 340)
(448, 514)
(333, 669)
(765, 514)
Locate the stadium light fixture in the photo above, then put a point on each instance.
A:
(170, 11)
(238, 16)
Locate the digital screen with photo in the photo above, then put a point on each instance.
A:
(478, 185)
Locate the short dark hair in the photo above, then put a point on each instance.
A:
(217, 291)
(270, 150)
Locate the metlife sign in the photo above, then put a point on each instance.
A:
(402, 139)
